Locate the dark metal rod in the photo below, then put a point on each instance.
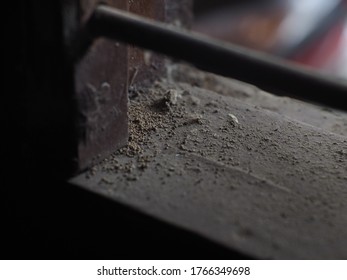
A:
(268, 73)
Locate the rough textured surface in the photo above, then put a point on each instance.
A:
(179, 12)
(145, 66)
(204, 154)
(101, 92)
(321, 117)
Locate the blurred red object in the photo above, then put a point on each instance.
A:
(308, 32)
(324, 51)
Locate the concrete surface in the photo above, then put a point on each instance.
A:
(263, 175)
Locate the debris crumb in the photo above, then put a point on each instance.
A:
(233, 119)
(171, 97)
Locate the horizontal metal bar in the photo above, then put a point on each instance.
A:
(268, 73)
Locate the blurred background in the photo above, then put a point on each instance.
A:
(310, 32)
